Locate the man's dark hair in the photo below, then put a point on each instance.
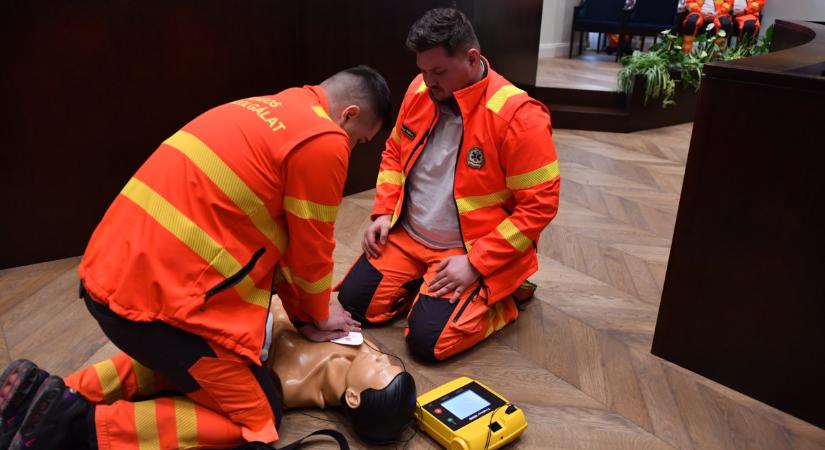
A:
(446, 27)
(383, 414)
(373, 85)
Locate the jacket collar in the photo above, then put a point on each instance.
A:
(473, 94)
(320, 95)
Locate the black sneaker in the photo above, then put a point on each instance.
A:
(47, 424)
(18, 384)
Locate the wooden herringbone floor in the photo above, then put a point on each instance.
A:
(577, 360)
(592, 71)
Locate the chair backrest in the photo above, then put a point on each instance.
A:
(654, 12)
(606, 10)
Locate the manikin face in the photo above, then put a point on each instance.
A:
(444, 73)
(368, 371)
(360, 126)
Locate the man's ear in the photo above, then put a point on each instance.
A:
(350, 112)
(352, 398)
(473, 56)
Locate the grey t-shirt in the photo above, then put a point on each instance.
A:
(430, 215)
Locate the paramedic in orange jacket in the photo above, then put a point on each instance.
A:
(468, 181)
(180, 270)
(702, 12)
(746, 13)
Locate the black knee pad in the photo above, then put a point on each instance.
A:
(427, 320)
(726, 24)
(359, 287)
(691, 24)
(749, 28)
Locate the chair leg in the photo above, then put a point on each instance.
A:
(654, 40)
(643, 43)
(599, 43)
(581, 42)
(572, 35)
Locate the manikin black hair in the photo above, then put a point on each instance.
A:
(383, 414)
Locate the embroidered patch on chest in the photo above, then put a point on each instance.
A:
(407, 131)
(475, 158)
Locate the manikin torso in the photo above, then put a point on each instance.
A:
(319, 373)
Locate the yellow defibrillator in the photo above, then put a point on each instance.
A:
(467, 415)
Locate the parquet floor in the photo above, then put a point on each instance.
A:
(578, 358)
(591, 71)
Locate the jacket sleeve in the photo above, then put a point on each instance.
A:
(528, 157)
(389, 184)
(693, 6)
(755, 7)
(314, 182)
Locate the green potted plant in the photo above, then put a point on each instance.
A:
(665, 67)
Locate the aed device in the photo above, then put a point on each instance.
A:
(467, 415)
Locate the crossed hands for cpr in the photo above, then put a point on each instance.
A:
(455, 273)
(338, 324)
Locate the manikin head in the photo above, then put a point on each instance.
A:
(446, 51)
(379, 399)
(359, 102)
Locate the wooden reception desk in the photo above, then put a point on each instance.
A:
(744, 298)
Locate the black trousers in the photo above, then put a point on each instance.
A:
(169, 351)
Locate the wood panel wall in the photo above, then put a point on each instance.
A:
(90, 87)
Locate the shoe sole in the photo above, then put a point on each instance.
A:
(18, 383)
(42, 426)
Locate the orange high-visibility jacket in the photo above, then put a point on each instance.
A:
(723, 7)
(197, 234)
(506, 185)
(754, 7)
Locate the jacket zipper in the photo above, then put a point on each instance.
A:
(458, 214)
(235, 278)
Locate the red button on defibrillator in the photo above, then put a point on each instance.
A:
(438, 410)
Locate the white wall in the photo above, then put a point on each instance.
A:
(787, 9)
(556, 20)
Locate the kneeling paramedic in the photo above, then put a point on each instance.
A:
(468, 181)
(179, 272)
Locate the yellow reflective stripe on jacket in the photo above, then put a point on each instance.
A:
(310, 287)
(146, 425)
(534, 177)
(389, 177)
(230, 184)
(109, 380)
(513, 235)
(498, 99)
(144, 377)
(395, 136)
(193, 237)
(306, 209)
(467, 204)
(321, 112)
(421, 87)
(186, 422)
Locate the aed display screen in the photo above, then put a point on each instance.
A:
(465, 404)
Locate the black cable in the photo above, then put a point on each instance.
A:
(403, 366)
(490, 430)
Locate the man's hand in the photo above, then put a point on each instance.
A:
(455, 274)
(339, 320)
(376, 236)
(311, 332)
